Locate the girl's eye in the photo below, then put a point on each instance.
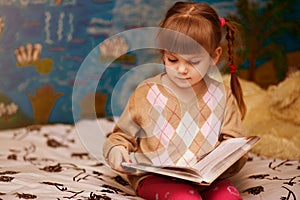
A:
(194, 62)
(172, 60)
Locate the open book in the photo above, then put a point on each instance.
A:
(207, 169)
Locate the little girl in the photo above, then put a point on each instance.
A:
(181, 114)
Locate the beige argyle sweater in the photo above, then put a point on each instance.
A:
(160, 129)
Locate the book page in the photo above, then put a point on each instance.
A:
(225, 148)
(212, 172)
(215, 171)
(225, 155)
(184, 170)
(176, 172)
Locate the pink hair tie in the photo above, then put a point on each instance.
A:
(232, 68)
(222, 21)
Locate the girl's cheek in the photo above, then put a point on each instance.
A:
(203, 68)
(170, 71)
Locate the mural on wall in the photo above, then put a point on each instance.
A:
(43, 44)
(264, 40)
(30, 56)
(42, 102)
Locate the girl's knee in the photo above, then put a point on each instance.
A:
(231, 193)
(222, 190)
(156, 187)
(180, 195)
(187, 195)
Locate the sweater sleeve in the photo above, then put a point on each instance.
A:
(232, 124)
(124, 131)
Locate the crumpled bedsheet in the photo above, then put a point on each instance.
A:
(51, 162)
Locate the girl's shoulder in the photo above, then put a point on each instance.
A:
(212, 83)
(154, 79)
(140, 100)
(148, 83)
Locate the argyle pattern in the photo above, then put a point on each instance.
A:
(185, 132)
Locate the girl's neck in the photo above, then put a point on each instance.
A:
(183, 94)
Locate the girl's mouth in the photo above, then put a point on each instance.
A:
(182, 78)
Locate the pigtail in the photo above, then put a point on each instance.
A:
(234, 81)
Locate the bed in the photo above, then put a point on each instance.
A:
(52, 162)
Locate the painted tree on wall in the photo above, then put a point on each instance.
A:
(260, 27)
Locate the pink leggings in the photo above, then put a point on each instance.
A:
(159, 187)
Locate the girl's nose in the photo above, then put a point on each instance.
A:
(182, 69)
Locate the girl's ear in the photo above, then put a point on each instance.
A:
(217, 54)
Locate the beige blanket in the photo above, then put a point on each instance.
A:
(274, 115)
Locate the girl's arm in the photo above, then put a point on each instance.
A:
(122, 140)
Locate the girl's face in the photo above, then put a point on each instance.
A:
(186, 70)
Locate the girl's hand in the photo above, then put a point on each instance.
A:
(117, 155)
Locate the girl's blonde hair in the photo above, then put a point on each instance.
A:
(200, 22)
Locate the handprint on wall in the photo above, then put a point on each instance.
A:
(88, 110)
(115, 49)
(29, 55)
(2, 25)
(6, 110)
(42, 103)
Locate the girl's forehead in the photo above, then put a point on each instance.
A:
(188, 56)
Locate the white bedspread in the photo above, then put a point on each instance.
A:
(50, 162)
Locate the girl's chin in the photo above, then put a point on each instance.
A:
(183, 84)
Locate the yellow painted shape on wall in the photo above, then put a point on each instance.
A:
(42, 66)
(88, 110)
(42, 102)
